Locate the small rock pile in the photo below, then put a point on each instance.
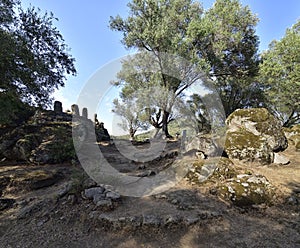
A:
(103, 197)
(218, 168)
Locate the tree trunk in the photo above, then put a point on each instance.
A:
(165, 124)
(132, 133)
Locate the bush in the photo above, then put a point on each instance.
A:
(61, 148)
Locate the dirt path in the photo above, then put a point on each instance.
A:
(188, 216)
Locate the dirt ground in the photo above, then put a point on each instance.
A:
(45, 217)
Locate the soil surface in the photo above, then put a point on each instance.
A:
(42, 206)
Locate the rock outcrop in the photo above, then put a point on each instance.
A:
(47, 136)
(237, 185)
(247, 190)
(254, 135)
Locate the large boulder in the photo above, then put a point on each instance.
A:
(254, 135)
(216, 169)
(236, 184)
(246, 190)
(38, 143)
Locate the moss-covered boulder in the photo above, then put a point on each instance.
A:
(215, 169)
(254, 135)
(235, 184)
(247, 190)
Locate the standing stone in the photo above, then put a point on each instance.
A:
(96, 120)
(85, 113)
(183, 140)
(58, 107)
(75, 109)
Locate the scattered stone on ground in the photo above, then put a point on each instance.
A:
(224, 202)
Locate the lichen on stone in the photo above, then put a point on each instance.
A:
(247, 190)
(254, 135)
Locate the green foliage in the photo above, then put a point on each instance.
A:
(61, 148)
(12, 110)
(280, 72)
(78, 177)
(199, 116)
(33, 57)
(132, 116)
(225, 37)
(158, 27)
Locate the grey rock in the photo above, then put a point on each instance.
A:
(254, 135)
(203, 215)
(91, 193)
(135, 221)
(89, 183)
(257, 180)
(98, 197)
(113, 195)
(280, 159)
(206, 171)
(292, 200)
(24, 212)
(172, 220)
(107, 203)
(190, 220)
(151, 220)
(205, 145)
(146, 173)
(106, 218)
(107, 187)
(64, 190)
(72, 199)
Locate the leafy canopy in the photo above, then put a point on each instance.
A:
(158, 27)
(280, 72)
(225, 38)
(33, 58)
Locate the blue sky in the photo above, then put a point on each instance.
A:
(84, 26)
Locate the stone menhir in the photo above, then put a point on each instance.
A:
(101, 132)
(85, 113)
(58, 107)
(96, 120)
(75, 109)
